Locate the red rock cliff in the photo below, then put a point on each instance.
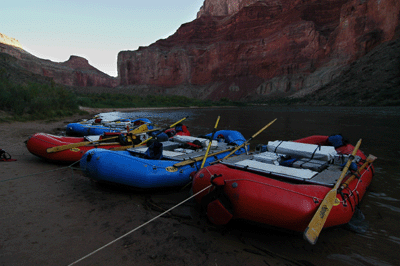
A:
(75, 72)
(246, 48)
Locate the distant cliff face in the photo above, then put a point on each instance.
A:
(9, 41)
(75, 72)
(243, 49)
(220, 7)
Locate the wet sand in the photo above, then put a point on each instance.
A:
(50, 214)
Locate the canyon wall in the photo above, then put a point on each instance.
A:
(246, 49)
(9, 41)
(74, 72)
(240, 50)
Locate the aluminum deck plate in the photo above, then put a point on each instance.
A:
(181, 156)
(327, 177)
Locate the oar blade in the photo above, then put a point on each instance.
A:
(317, 223)
(371, 158)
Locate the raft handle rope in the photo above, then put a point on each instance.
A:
(140, 226)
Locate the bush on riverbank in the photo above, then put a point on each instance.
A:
(35, 101)
(48, 101)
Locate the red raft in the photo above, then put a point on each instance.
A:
(40, 143)
(283, 183)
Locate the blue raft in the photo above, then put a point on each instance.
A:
(134, 168)
(80, 129)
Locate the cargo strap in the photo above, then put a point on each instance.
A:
(276, 148)
(312, 156)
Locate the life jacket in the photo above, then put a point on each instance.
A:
(154, 152)
(170, 132)
(195, 145)
(181, 128)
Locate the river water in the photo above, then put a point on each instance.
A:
(379, 128)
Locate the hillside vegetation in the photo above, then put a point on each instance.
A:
(27, 96)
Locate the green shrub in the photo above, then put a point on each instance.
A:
(36, 101)
(47, 101)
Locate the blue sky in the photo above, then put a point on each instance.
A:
(96, 30)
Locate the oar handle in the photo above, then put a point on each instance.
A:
(261, 130)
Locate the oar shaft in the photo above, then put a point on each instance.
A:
(318, 220)
(209, 144)
(344, 172)
(143, 142)
(196, 159)
(261, 130)
(75, 145)
(247, 141)
(138, 130)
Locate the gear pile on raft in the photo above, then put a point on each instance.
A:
(303, 185)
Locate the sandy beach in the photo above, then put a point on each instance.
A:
(51, 214)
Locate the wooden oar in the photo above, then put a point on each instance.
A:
(246, 142)
(370, 159)
(317, 222)
(209, 144)
(199, 158)
(140, 129)
(143, 142)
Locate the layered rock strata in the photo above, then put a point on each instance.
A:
(246, 49)
(75, 72)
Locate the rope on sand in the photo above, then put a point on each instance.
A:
(57, 169)
(130, 232)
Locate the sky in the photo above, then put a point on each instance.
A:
(94, 29)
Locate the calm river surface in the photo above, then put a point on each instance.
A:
(379, 128)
